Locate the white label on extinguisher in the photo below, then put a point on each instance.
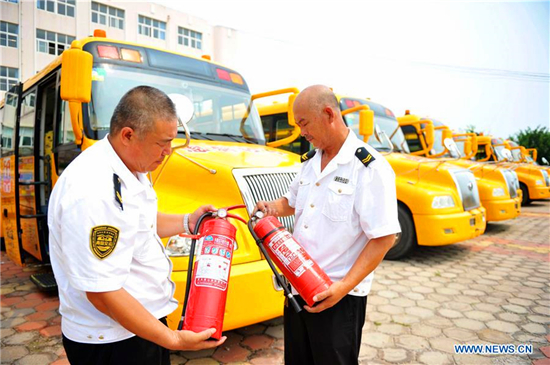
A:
(214, 262)
(290, 253)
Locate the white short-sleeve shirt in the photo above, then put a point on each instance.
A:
(97, 245)
(339, 210)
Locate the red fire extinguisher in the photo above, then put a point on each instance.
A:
(208, 280)
(303, 273)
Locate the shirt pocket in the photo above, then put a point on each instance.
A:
(301, 196)
(339, 202)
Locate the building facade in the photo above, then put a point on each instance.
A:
(33, 33)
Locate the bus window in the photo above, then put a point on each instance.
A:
(412, 138)
(26, 125)
(8, 124)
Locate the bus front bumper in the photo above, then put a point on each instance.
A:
(445, 229)
(539, 192)
(500, 210)
(252, 296)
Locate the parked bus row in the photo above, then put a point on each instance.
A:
(236, 156)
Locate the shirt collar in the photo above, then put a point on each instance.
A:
(133, 184)
(347, 151)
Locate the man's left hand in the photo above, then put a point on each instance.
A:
(194, 217)
(329, 297)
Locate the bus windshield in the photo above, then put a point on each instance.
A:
(388, 126)
(516, 155)
(499, 152)
(439, 147)
(220, 112)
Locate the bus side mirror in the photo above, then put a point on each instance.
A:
(467, 147)
(291, 120)
(544, 160)
(366, 123)
(429, 134)
(446, 133)
(76, 75)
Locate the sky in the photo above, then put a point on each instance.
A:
(484, 64)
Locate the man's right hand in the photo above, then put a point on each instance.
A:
(189, 340)
(268, 208)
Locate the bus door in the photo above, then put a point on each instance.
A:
(28, 160)
(10, 179)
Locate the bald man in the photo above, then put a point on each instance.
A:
(345, 208)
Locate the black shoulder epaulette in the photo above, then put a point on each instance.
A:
(118, 192)
(364, 156)
(308, 155)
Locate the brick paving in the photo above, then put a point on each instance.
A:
(493, 289)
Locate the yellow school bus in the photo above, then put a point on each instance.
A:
(438, 203)
(534, 180)
(498, 186)
(65, 108)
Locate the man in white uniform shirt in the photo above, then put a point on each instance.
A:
(345, 206)
(111, 269)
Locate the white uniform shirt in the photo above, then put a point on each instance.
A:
(341, 208)
(84, 198)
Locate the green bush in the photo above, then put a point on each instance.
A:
(538, 138)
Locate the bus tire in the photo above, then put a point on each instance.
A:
(406, 240)
(525, 192)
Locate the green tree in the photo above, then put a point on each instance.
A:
(470, 128)
(538, 138)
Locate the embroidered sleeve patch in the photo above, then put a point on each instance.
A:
(103, 240)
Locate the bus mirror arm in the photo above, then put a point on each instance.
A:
(75, 108)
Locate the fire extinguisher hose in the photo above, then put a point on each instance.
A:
(287, 291)
(190, 265)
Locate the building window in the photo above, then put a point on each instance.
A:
(61, 7)
(8, 77)
(107, 15)
(189, 38)
(51, 42)
(8, 34)
(12, 1)
(151, 27)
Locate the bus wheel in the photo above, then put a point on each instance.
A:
(406, 240)
(525, 191)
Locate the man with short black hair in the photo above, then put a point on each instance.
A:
(344, 201)
(112, 271)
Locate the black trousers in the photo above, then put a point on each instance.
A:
(132, 351)
(331, 337)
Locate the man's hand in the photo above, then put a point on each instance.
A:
(194, 217)
(268, 208)
(329, 297)
(188, 340)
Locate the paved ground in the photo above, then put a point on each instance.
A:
(492, 289)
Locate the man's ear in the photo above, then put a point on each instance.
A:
(126, 135)
(330, 113)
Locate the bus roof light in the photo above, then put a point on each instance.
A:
(131, 55)
(100, 33)
(236, 78)
(207, 57)
(407, 112)
(349, 103)
(108, 52)
(222, 74)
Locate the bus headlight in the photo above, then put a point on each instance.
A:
(178, 246)
(443, 201)
(498, 192)
(539, 182)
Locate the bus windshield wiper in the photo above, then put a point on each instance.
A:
(232, 136)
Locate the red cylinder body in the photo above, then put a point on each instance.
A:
(290, 257)
(208, 292)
